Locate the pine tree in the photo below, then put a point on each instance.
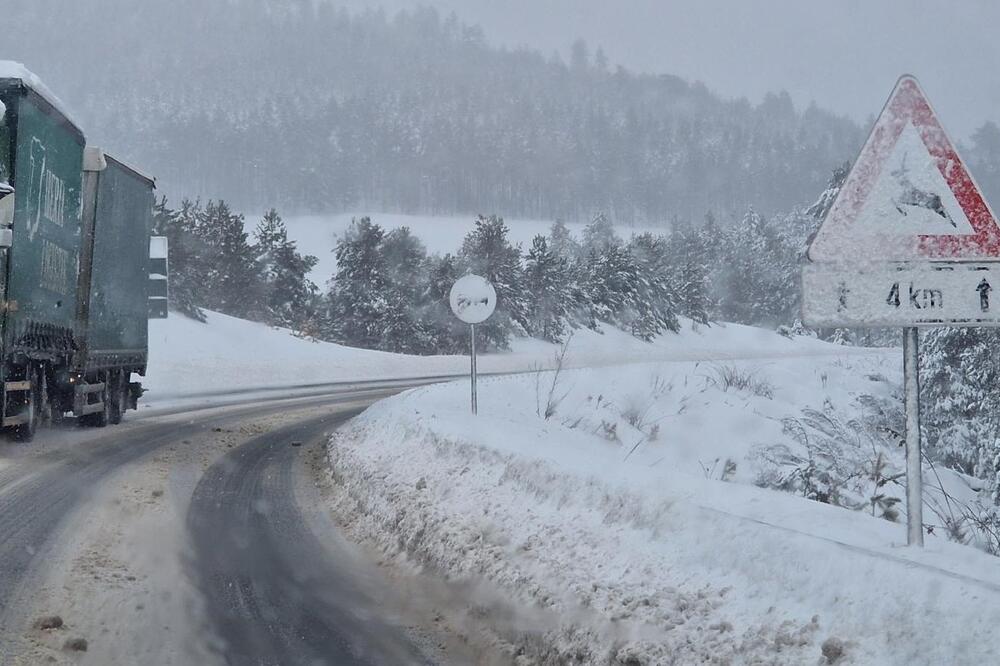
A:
(566, 247)
(232, 273)
(655, 303)
(686, 266)
(612, 286)
(449, 335)
(546, 276)
(562, 243)
(487, 252)
(405, 258)
(599, 235)
(187, 256)
(755, 275)
(290, 295)
(359, 288)
(960, 371)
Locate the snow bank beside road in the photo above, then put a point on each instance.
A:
(642, 558)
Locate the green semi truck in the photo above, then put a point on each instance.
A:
(75, 267)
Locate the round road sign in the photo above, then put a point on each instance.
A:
(473, 299)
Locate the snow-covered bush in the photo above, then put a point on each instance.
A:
(846, 459)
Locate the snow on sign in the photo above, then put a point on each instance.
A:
(473, 299)
(910, 240)
(938, 294)
(908, 196)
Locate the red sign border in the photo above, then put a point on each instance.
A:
(908, 104)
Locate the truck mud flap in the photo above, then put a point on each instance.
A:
(135, 392)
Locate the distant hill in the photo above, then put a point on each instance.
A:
(308, 108)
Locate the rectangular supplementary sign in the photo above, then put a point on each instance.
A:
(901, 295)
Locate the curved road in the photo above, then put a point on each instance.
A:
(273, 592)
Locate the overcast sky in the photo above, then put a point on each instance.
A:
(844, 54)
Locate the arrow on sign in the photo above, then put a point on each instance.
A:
(984, 290)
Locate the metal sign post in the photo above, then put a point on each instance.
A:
(911, 401)
(473, 301)
(910, 241)
(472, 345)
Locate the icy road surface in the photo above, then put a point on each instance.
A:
(193, 538)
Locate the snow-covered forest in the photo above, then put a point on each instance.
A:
(388, 293)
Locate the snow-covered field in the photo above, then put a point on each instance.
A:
(227, 354)
(318, 234)
(626, 528)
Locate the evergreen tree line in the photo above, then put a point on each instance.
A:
(306, 107)
(389, 293)
(214, 263)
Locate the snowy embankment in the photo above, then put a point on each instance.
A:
(225, 354)
(610, 527)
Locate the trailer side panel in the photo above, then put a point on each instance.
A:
(118, 312)
(43, 259)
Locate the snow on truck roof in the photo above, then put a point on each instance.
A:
(16, 71)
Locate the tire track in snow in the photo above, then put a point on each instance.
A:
(275, 594)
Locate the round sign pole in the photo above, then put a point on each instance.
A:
(473, 300)
(475, 373)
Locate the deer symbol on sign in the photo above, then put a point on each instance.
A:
(912, 196)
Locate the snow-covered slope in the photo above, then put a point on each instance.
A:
(611, 522)
(317, 234)
(226, 354)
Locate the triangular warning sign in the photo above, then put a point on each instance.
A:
(908, 196)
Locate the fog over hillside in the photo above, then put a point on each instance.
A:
(843, 55)
(312, 108)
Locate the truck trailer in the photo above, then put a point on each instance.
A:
(75, 230)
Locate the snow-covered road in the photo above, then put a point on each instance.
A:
(136, 538)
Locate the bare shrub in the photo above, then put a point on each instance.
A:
(634, 414)
(721, 470)
(554, 396)
(639, 405)
(608, 430)
(726, 377)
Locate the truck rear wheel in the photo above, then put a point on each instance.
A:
(102, 418)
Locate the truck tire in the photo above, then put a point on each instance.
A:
(102, 418)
